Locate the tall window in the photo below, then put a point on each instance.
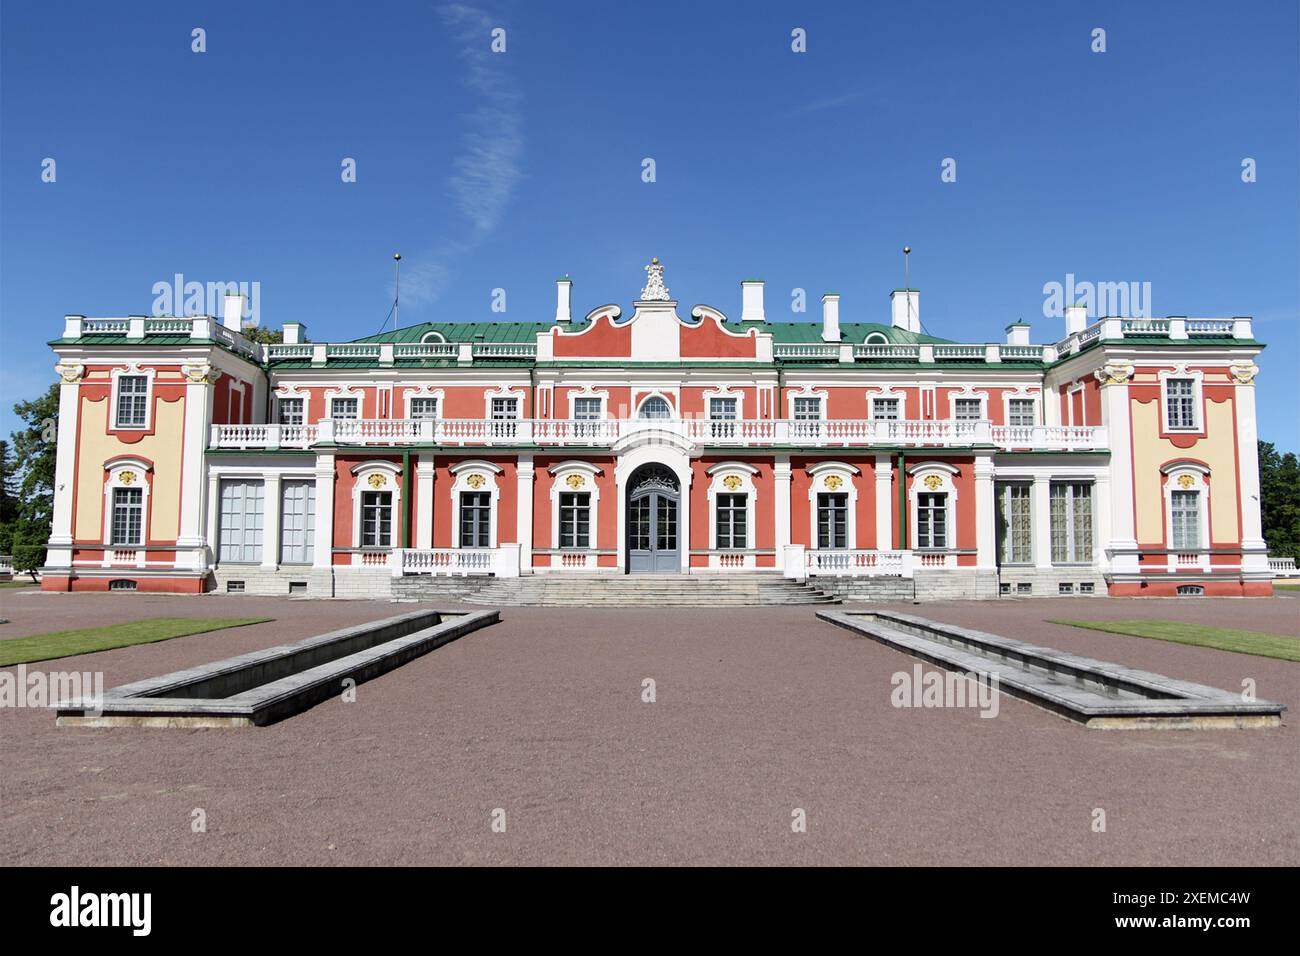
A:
(967, 409)
(1071, 522)
(505, 408)
(475, 518)
(1015, 526)
(132, 401)
(424, 408)
(731, 521)
(289, 411)
(807, 409)
(832, 520)
(240, 525)
(655, 407)
(128, 516)
(884, 409)
(1180, 403)
(1185, 520)
(575, 519)
(586, 409)
(1020, 411)
(298, 522)
(722, 409)
(376, 519)
(344, 409)
(932, 520)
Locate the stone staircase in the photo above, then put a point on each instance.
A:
(898, 590)
(618, 590)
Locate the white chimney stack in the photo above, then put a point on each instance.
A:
(1018, 333)
(906, 311)
(751, 301)
(1076, 318)
(233, 316)
(564, 300)
(831, 317)
(295, 333)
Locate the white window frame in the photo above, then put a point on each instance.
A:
(1069, 529)
(672, 409)
(1198, 401)
(845, 473)
(279, 408)
(744, 474)
(260, 557)
(729, 393)
(424, 391)
(309, 484)
(968, 394)
(1035, 409)
(1000, 501)
(361, 474)
(945, 486)
(462, 471)
(1191, 477)
(587, 391)
(560, 473)
(898, 403)
(344, 398)
(142, 478)
(513, 392)
(133, 371)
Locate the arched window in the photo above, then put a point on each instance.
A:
(655, 407)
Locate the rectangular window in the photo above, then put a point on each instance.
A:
(1020, 411)
(967, 409)
(132, 401)
(586, 409)
(722, 409)
(345, 409)
(424, 408)
(289, 411)
(298, 522)
(1015, 526)
(731, 514)
(128, 516)
(832, 521)
(575, 519)
(239, 529)
(475, 518)
(1185, 520)
(1071, 515)
(807, 409)
(1180, 403)
(376, 519)
(884, 409)
(932, 520)
(505, 408)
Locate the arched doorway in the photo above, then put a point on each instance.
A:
(653, 532)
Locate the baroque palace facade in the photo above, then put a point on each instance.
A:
(1121, 459)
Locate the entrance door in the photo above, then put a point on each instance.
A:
(652, 531)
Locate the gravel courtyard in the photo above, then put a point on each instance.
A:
(759, 711)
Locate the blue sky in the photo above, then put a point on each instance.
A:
(507, 170)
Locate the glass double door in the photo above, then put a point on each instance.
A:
(652, 526)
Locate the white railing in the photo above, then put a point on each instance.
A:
(1281, 567)
(422, 350)
(959, 353)
(812, 350)
(1021, 353)
(859, 563)
(104, 326)
(278, 351)
(934, 559)
(503, 562)
(1145, 327)
(504, 350)
(890, 352)
(1216, 328)
(833, 433)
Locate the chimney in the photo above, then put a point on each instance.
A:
(831, 317)
(751, 302)
(906, 309)
(1018, 333)
(563, 301)
(295, 333)
(233, 316)
(1076, 318)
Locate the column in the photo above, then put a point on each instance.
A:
(59, 548)
(324, 531)
(1101, 519)
(1254, 550)
(781, 504)
(1115, 416)
(271, 522)
(985, 526)
(885, 504)
(213, 509)
(194, 503)
(424, 469)
(1041, 521)
(524, 510)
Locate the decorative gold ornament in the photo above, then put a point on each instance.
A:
(127, 477)
(731, 482)
(1243, 373)
(70, 371)
(833, 482)
(1115, 373)
(199, 374)
(1186, 481)
(933, 481)
(377, 481)
(475, 481)
(573, 481)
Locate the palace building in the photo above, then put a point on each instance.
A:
(1120, 459)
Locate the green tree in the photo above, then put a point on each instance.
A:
(27, 482)
(1279, 500)
(8, 487)
(265, 336)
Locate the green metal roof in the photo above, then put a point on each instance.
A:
(464, 332)
(784, 333)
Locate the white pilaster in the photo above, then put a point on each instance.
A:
(59, 549)
(985, 525)
(210, 517)
(271, 522)
(1041, 520)
(324, 544)
(781, 502)
(1101, 494)
(190, 540)
(524, 510)
(1254, 556)
(424, 469)
(1115, 416)
(884, 504)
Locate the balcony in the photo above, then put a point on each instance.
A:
(559, 432)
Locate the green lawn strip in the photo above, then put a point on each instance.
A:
(24, 583)
(1199, 635)
(45, 647)
(1285, 587)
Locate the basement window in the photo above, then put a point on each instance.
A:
(1064, 588)
(121, 584)
(1190, 590)
(1024, 587)
(1004, 587)
(1086, 587)
(297, 587)
(234, 587)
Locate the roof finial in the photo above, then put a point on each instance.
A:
(654, 290)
